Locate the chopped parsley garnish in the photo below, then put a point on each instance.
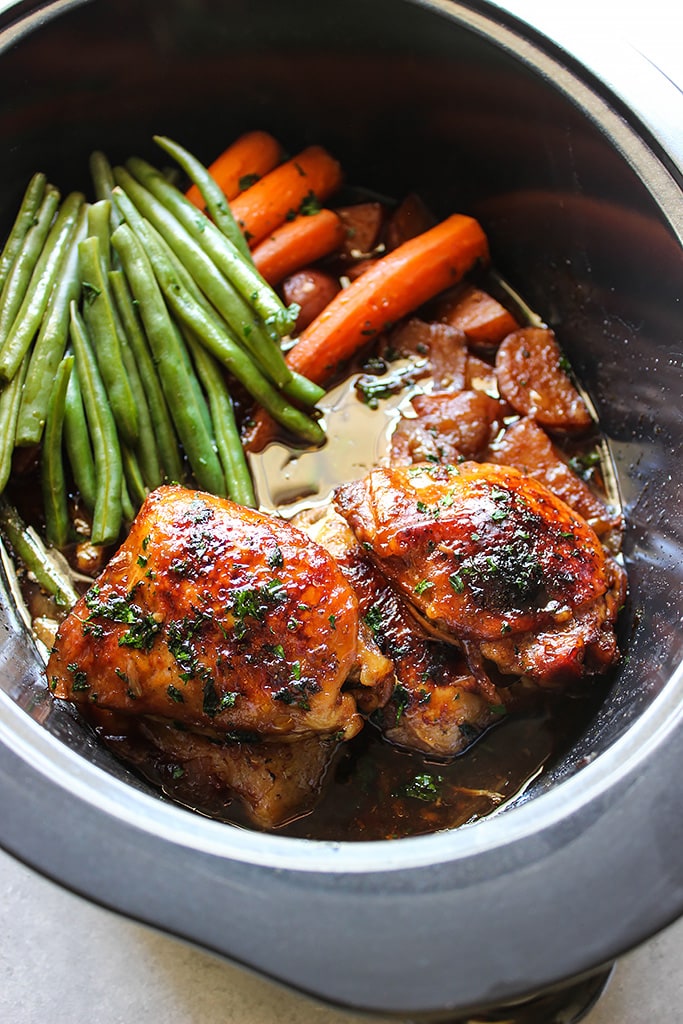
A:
(401, 700)
(310, 205)
(425, 787)
(422, 586)
(246, 181)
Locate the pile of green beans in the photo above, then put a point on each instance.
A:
(123, 321)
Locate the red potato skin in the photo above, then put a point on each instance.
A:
(528, 448)
(531, 379)
(410, 218)
(363, 224)
(312, 290)
(483, 320)
(448, 427)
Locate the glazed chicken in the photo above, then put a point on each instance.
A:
(491, 560)
(436, 705)
(221, 621)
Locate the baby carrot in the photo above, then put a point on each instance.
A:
(397, 284)
(298, 242)
(241, 164)
(297, 186)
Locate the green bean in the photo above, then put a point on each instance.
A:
(146, 448)
(106, 524)
(55, 505)
(252, 343)
(303, 391)
(135, 485)
(26, 216)
(207, 331)
(10, 400)
(167, 348)
(164, 431)
(142, 229)
(46, 270)
(238, 478)
(77, 443)
(14, 288)
(212, 194)
(50, 344)
(229, 303)
(99, 226)
(99, 318)
(127, 508)
(240, 272)
(28, 547)
(103, 180)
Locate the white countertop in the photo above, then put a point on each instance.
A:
(65, 961)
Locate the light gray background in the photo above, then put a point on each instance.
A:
(65, 961)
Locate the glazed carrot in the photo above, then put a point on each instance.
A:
(296, 243)
(248, 158)
(297, 186)
(394, 286)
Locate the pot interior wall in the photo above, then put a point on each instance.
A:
(409, 100)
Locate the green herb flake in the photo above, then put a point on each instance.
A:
(455, 580)
(422, 586)
(175, 694)
(246, 181)
(310, 205)
(425, 787)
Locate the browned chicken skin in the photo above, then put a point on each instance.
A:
(484, 554)
(435, 704)
(218, 617)
(231, 625)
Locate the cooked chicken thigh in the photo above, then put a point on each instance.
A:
(486, 554)
(219, 620)
(436, 704)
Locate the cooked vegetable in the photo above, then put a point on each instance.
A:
(216, 204)
(312, 290)
(208, 330)
(172, 362)
(244, 161)
(299, 185)
(77, 442)
(28, 547)
(533, 379)
(194, 238)
(228, 441)
(19, 276)
(24, 219)
(394, 286)
(55, 505)
(362, 225)
(106, 523)
(297, 243)
(481, 317)
(10, 399)
(145, 450)
(37, 294)
(98, 314)
(50, 345)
